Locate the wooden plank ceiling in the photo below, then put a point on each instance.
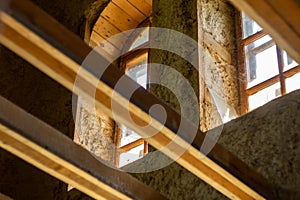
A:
(118, 16)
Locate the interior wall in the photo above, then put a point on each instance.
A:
(268, 140)
(42, 97)
(219, 87)
(179, 16)
(95, 131)
(215, 22)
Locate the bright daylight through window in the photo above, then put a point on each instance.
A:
(131, 146)
(270, 72)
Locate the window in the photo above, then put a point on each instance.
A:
(267, 71)
(135, 64)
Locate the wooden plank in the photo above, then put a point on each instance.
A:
(104, 44)
(149, 2)
(118, 17)
(4, 197)
(144, 6)
(131, 10)
(49, 150)
(220, 168)
(107, 30)
(279, 18)
(289, 10)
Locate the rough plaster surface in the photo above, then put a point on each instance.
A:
(268, 140)
(179, 16)
(217, 19)
(173, 181)
(95, 131)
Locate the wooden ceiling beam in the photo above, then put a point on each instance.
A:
(49, 150)
(279, 18)
(59, 54)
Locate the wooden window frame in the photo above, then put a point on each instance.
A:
(126, 58)
(245, 92)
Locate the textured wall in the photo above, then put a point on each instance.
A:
(95, 131)
(178, 16)
(215, 22)
(268, 140)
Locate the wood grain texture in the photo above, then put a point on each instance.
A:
(130, 9)
(104, 44)
(49, 150)
(58, 57)
(119, 17)
(145, 6)
(107, 30)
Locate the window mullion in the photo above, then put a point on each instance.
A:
(291, 72)
(263, 85)
(242, 76)
(131, 145)
(252, 38)
(280, 67)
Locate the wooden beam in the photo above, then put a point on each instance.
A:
(56, 54)
(51, 151)
(279, 18)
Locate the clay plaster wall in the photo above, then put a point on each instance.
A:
(268, 140)
(213, 26)
(218, 63)
(178, 16)
(95, 131)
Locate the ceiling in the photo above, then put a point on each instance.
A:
(117, 17)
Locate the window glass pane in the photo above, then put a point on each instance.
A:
(139, 73)
(264, 96)
(293, 83)
(137, 69)
(132, 155)
(128, 135)
(289, 63)
(249, 26)
(141, 38)
(264, 40)
(261, 61)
